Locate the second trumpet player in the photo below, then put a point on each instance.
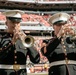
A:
(61, 48)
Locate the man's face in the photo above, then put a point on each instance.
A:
(12, 25)
(57, 29)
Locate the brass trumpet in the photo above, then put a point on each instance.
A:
(27, 41)
(73, 37)
(69, 31)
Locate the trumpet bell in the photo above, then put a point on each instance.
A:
(28, 41)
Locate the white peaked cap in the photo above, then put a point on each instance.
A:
(13, 13)
(59, 17)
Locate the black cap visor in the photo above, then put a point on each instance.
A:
(60, 22)
(13, 19)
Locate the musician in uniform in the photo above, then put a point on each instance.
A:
(61, 50)
(13, 53)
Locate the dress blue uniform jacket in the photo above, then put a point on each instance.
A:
(7, 54)
(56, 53)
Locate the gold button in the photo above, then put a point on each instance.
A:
(15, 56)
(73, 46)
(62, 42)
(64, 46)
(4, 46)
(65, 50)
(9, 43)
(15, 51)
(64, 35)
(15, 62)
(75, 36)
(0, 48)
(10, 34)
(66, 58)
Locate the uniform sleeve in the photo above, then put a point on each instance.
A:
(3, 48)
(34, 55)
(51, 46)
(2, 53)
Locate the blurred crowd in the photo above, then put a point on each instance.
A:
(42, 18)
